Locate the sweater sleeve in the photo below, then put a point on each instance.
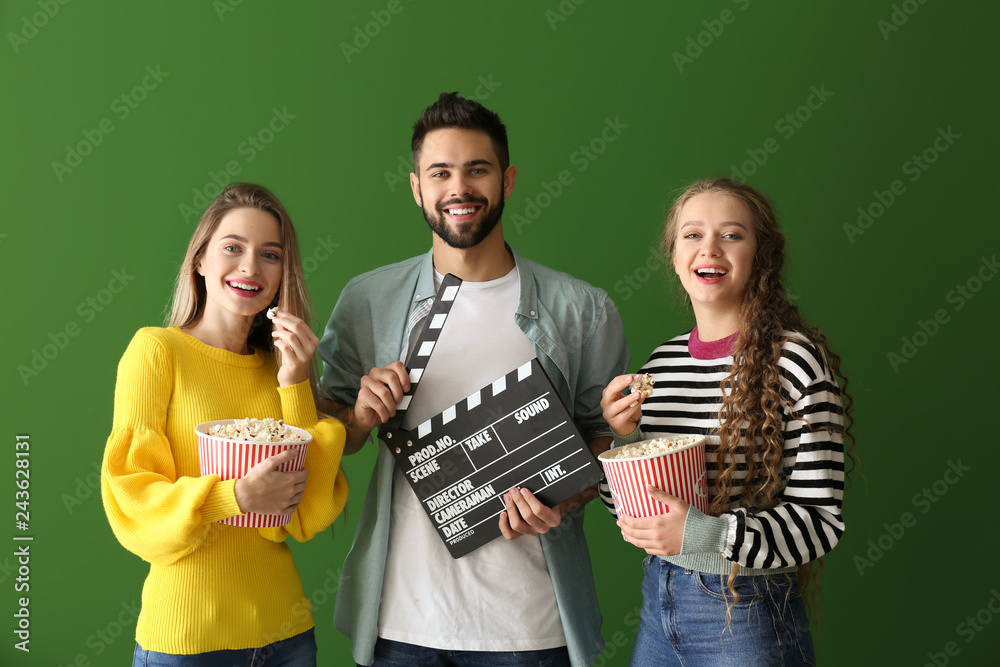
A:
(153, 513)
(806, 522)
(326, 487)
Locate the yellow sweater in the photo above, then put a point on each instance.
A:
(210, 586)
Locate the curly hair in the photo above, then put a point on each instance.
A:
(751, 417)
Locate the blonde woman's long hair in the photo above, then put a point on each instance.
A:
(188, 302)
(752, 391)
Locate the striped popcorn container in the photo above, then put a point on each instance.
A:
(231, 459)
(680, 472)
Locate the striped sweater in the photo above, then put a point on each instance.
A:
(806, 522)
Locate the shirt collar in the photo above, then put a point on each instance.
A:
(527, 303)
(425, 280)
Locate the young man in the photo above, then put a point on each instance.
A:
(403, 600)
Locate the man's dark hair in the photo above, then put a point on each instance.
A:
(449, 111)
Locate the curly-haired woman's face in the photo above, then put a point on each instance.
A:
(713, 252)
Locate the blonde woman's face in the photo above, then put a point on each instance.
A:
(714, 250)
(242, 263)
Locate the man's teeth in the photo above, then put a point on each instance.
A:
(245, 287)
(461, 211)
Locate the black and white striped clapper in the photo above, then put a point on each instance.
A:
(514, 432)
(420, 354)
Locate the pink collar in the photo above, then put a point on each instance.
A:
(715, 349)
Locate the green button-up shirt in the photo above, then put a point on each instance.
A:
(579, 341)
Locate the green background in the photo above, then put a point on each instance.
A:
(558, 73)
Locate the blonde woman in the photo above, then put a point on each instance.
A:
(218, 594)
(721, 588)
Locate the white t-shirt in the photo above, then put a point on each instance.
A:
(498, 597)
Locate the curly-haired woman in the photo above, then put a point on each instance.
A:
(723, 588)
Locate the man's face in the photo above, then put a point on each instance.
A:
(460, 187)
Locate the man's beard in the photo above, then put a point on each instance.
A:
(471, 235)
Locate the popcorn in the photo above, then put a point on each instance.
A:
(271, 312)
(256, 430)
(642, 383)
(655, 446)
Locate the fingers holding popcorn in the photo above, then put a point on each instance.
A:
(621, 411)
(297, 343)
(642, 383)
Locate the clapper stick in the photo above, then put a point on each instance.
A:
(420, 355)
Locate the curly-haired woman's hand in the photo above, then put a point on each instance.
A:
(621, 411)
(659, 535)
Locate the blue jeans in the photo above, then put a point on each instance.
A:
(390, 653)
(297, 651)
(683, 620)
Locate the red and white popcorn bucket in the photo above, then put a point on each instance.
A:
(680, 472)
(231, 459)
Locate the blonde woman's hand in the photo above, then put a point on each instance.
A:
(621, 411)
(297, 343)
(659, 535)
(267, 490)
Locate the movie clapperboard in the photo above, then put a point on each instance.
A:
(512, 432)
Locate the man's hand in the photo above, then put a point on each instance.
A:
(526, 515)
(380, 391)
